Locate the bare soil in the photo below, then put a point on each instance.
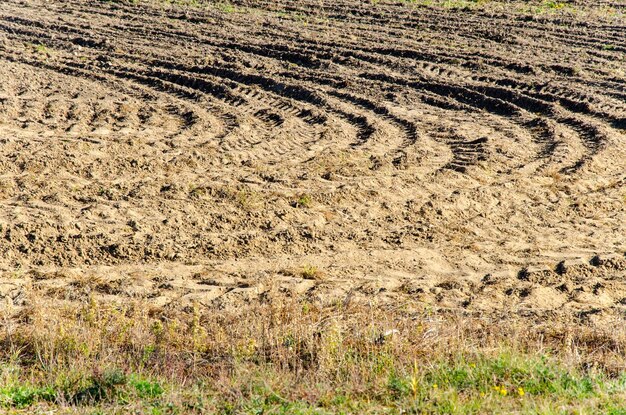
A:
(458, 159)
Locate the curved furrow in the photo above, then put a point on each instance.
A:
(478, 100)
(364, 126)
(532, 104)
(365, 130)
(300, 58)
(229, 124)
(266, 128)
(230, 86)
(165, 80)
(466, 152)
(79, 118)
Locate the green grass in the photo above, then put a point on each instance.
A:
(503, 383)
(536, 7)
(554, 4)
(311, 272)
(304, 200)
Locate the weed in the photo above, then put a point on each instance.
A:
(311, 272)
(227, 7)
(24, 396)
(248, 199)
(304, 200)
(556, 5)
(42, 50)
(197, 192)
(146, 388)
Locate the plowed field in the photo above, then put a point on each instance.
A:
(466, 158)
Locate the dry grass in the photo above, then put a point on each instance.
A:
(298, 357)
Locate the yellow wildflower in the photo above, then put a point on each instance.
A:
(501, 390)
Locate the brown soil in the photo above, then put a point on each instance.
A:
(336, 151)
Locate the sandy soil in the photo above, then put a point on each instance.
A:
(331, 150)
